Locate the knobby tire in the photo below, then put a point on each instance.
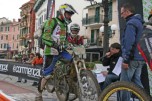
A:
(123, 85)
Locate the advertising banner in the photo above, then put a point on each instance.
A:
(20, 70)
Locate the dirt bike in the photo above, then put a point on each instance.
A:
(72, 77)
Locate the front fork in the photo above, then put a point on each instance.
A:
(79, 66)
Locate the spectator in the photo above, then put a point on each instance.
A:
(23, 60)
(31, 58)
(19, 57)
(38, 60)
(15, 57)
(132, 60)
(111, 60)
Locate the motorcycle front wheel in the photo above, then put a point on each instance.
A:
(89, 89)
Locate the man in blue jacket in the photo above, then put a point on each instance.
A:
(132, 60)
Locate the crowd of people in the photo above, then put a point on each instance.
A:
(33, 60)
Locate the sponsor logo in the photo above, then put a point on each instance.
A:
(4, 67)
(31, 72)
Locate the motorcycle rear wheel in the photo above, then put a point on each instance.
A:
(61, 85)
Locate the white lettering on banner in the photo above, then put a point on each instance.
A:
(26, 70)
(4, 67)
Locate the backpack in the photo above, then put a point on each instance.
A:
(145, 46)
(41, 44)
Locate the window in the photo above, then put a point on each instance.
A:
(95, 56)
(97, 36)
(2, 37)
(97, 15)
(6, 37)
(88, 57)
(13, 45)
(5, 45)
(92, 36)
(13, 37)
(17, 37)
(1, 29)
(92, 56)
(17, 46)
(8, 28)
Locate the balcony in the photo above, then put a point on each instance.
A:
(23, 24)
(92, 20)
(23, 13)
(24, 16)
(23, 36)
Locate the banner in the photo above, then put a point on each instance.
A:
(50, 9)
(20, 70)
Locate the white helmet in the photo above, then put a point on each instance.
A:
(66, 8)
(75, 27)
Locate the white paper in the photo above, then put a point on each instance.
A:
(98, 68)
(100, 77)
(117, 68)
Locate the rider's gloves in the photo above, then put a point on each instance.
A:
(55, 45)
(58, 47)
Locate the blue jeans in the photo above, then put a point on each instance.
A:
(47, 59)
(132, 74)
(109, 79)
(63, 54)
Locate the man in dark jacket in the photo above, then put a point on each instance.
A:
(132, 60)
(111, 60)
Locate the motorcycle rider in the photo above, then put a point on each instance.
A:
(52, 40)
(74, 38)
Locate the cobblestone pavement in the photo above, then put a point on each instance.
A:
(22, 91)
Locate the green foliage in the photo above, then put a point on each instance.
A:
(90, 65)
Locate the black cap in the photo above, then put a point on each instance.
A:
(116, 45)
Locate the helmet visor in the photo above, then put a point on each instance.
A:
(69, 12)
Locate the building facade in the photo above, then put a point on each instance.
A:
(93, 19)
(42, 9)
(9, 37)
(26, 27)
